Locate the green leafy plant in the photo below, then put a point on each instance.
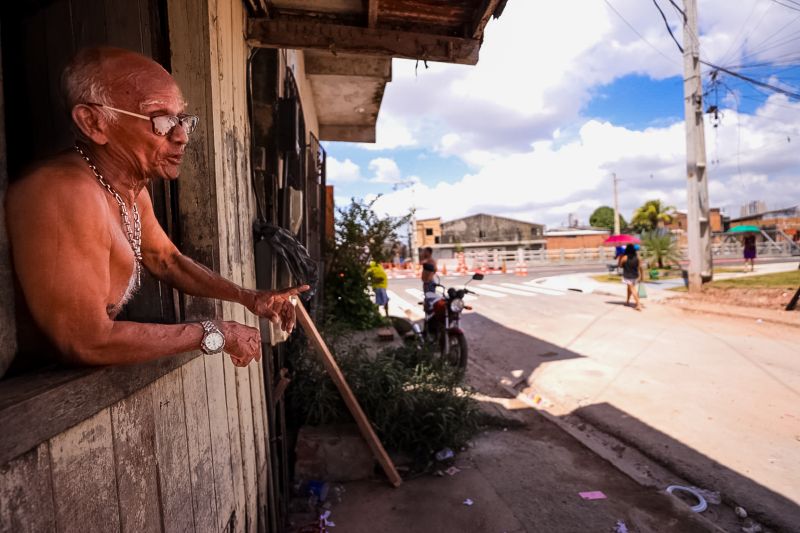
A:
(660, 248)
(653, 214)
(603, 217)
(361, 235)
(414, 401)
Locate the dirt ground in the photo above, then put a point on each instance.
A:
(519, 480)
(772, 298)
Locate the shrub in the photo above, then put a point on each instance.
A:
(413, 400)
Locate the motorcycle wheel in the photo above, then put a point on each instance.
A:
(458, 352)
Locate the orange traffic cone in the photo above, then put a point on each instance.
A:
(444, 269)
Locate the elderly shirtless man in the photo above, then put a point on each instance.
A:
(82, 225)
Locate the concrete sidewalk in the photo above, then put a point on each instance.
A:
(519, 480)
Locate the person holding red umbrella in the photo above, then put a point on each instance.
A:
(632, 274)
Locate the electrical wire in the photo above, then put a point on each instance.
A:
(793, 6)
(666, 23)
(634, 30)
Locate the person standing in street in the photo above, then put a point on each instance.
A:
(380, 282)
(632, 274)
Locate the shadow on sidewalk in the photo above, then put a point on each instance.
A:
(760, 502)
(521, 351)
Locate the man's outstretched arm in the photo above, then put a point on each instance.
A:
(61, 252)
(162, 258)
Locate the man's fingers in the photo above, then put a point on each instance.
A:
(292, 291)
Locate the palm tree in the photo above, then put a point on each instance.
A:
(652, 215)
(661, 248)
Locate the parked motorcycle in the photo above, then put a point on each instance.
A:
(442, 322)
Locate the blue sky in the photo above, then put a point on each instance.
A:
(564, 95)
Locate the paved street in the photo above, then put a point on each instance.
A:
(713, 398)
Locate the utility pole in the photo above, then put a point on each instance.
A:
(698, 226)
(616, 206)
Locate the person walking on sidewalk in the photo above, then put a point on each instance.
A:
(750, 252)
(632, 274)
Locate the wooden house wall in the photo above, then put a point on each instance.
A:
(189, 451)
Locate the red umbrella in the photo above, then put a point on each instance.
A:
(622, 239)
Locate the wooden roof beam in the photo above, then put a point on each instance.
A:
(482, 17)
(372, 13)
(336, 38)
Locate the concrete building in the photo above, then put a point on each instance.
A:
(753, 208)
(480, 233)
(428, 232)
(574, 238)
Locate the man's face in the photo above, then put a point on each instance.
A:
(133, 138)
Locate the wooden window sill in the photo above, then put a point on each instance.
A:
(36, 407)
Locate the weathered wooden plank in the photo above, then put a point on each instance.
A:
(220, 438)
(193, 67)
(133, 431)
(37, 407)
(259, 435)
(172, 454)
(372, 13)
(347, 395)
(235, 439)
(246, 431)
(88, 23)
(84, 482)
(367, 41)
(123, 23)
(26, 493)
(8, 332)
(198, 433)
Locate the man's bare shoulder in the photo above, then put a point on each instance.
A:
(60, 181)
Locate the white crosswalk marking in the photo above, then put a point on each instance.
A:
(518, 292)
(531, 285)
(416, 293)
(400, 307)
(534, 290)
(486, 292)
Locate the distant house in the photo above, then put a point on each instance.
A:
(777, 221)
(478, 233)
(571, 238)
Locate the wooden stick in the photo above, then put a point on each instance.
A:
(347, 395)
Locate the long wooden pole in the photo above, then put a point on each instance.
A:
(347, 395)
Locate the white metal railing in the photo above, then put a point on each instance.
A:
(497, 259)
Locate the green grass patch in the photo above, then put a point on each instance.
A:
(787, 280)
(607, 278)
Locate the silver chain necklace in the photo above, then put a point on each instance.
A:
(134, 235)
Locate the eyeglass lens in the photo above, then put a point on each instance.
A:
(164, 124)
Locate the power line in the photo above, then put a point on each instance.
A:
(794, 6)
(666, 23)
(634, 30)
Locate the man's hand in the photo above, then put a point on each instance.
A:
(275, 306)
(242, 343)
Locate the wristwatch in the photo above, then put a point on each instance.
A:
(213, 339)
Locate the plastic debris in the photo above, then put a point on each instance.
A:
(324, 519)
(452, 471)
(444, 454)
(620, 527)
(701, 505)
(740, 512)
(712, 496)
(592, 495)
(752, 527)
(468, 502)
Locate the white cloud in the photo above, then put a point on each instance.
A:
(385, 169)
(552, 180)
(515, 118)
(339, 172)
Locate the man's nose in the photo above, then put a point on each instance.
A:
(178, 135)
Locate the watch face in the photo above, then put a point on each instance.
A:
(214, 342)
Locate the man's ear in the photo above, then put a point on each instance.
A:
(92, 124)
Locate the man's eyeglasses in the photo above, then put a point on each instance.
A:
(162, 124)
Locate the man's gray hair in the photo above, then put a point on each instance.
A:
(82, 83)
